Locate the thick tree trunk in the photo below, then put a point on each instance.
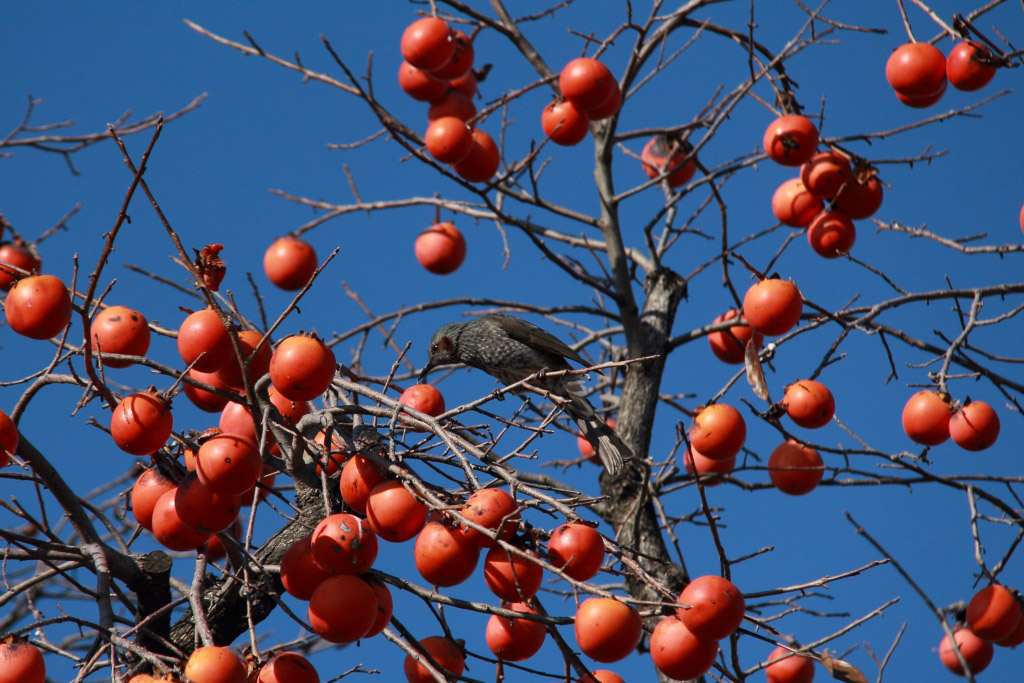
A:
(224, 598)
(629, 509)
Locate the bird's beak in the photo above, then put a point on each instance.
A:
(423, 373)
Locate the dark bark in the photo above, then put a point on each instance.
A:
(152, 587)
(224, 598)
(629, 508)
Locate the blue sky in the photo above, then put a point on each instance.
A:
(260, 128)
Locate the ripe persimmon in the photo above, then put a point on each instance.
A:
(215, 664)
(428, 43)
(420, 85)
(300, 572)
(825, 173)
(922, 102)
(452, 104)
(795, 469)
(169, 530)
(492, 509)
(461, 61)
(510, 576)
(794, 205)
(148, 488)
(730, 345)
(342, 609)
(256, 354)
(203, 399)
(715, 607)
(709, 468)
(564, 123)
(393, 512)
(1015, 638)
(678, 653)
(809, 403)
(926, 417)
(441, 248)
(449, 139)
(607, 630)
(229, 463)
(773, 306)
(385, 605)
(444, 652)
(993, 613)
(443, 555)
(976, 651)
(577, 549)
(970, 66)
(141, 423)
(790, 140)
(289, 262)
(203, 510)
(602, 676)
(302, 367)
(660, 155)
(119, 329)
(916, 70)
(831, 233)
(975, 426)
(15, 261)
(423, 397)
(334, 457)
(483, 159)
(860, 199)
(344, 544)
(792, 669)
(465, 84)
(21, 662)
(610, 107)
(288, 667)
(718, 431)
(512, 639)
(38, 306)
(358, 478)
(586, 82)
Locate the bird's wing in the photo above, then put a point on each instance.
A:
(530, 334)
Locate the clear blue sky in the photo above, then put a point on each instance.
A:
(261, 128)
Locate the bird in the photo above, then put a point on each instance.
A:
(512, 349)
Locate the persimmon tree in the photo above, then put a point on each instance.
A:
(306, 480)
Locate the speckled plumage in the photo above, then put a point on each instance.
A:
(511, 349)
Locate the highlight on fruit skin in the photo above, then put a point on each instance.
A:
(441, 248)
(289, 262)
(773, 306)
(790, 140)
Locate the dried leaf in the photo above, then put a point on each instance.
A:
(210, 266)
(843, 671)
(755, 374)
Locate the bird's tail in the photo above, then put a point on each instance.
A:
(612, 451)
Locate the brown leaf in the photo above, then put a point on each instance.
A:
(755, 374)
(843, 671)
(211, 266)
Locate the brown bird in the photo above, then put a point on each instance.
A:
(512, 349)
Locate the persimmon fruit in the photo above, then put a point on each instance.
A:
(716, 607)
(795, 469)
(119, 329)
